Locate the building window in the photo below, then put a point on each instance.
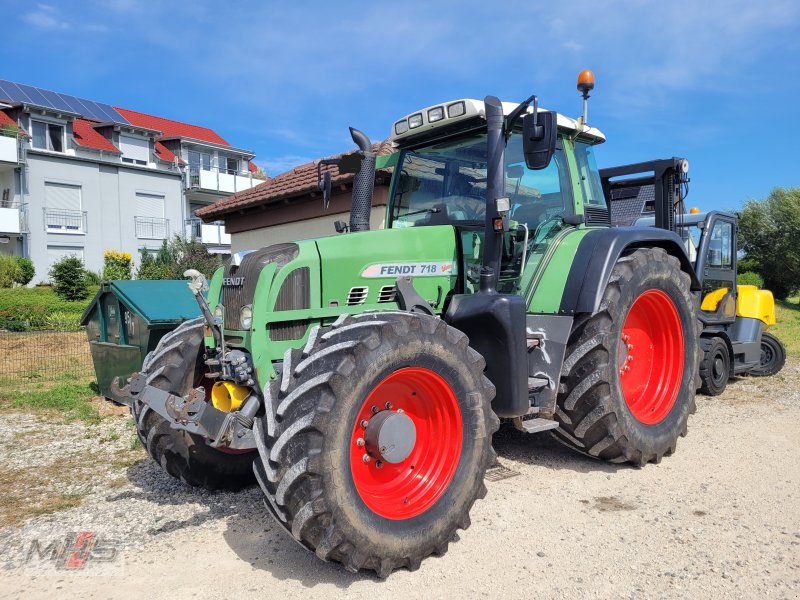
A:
(57, 253)
(62, 212)
(47, 136)
(199, 160)
(134, 150)
(150, 222)
(228, 165)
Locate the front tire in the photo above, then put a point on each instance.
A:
(773, 356)
(715, 366)
(392, 505)
(174, 367)
(628, 379)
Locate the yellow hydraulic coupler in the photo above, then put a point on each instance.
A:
(227, 396)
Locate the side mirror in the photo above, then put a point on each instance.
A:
(325, 186)
(539, 138)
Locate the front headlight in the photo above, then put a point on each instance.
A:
(246, 317)
(219, 312)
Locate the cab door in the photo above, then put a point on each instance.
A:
(716, 269)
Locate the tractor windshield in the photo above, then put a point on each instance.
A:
(445, 183)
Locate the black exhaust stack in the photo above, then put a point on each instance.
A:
(363, 183)
(495, 323)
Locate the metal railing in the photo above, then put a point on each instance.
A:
(207, 233)
(152, 228)
(59, 220)
(220, 179)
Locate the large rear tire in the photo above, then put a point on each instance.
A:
(174, 367)
(389, 505)
(773, 356)
(629, 378)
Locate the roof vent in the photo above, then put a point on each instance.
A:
(357, 295)
(387, 293)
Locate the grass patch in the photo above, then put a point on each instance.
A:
(24, 309)
(788, 326)
(68, 400)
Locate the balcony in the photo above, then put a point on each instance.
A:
(220, 180)
(151, 228)
(58, 220)
(9, 147)
(12, 219)
(211, 234)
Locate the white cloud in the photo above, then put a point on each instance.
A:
(45, 17)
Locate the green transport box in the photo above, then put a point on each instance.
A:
(126, 320)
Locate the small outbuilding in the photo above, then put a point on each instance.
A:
(126, 320)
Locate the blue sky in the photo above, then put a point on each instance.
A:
(715, 81)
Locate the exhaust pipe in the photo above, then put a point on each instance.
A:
(495, 188)
(363, 184)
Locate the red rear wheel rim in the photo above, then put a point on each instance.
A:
(409, 488)
(651, 357)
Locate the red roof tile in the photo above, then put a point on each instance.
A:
(88, 137)
(297, 182)
(165, 153)
(170, 128)
(6, 120)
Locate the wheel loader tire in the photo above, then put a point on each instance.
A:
(629, 377)
(174, 367)
(335, 462)
(773, 356)
(715, 366)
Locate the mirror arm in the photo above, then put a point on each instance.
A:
(521, 108)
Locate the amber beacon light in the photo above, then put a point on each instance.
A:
(585, 85)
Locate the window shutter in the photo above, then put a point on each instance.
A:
(134, 148)
(149, 205)
(62, 196)
(56, 253)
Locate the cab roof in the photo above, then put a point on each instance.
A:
(465, 109)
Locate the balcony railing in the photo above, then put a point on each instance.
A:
(211, 233)
(58, 220)
(152, 228)
(220, 180)
(13, 218)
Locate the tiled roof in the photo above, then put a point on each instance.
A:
(297, 182)
(6, 120)
(88, 137)
(170, 128)
(165, 153)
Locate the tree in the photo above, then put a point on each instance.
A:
(769, 234)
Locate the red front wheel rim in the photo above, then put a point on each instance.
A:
(651, 357)
(408, 488)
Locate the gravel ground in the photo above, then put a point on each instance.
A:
(719, 519)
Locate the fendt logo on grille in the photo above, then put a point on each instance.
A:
(233, 281)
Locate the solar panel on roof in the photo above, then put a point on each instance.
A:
(18, 92)
(55, 100)
(34, 94)
(13, 93)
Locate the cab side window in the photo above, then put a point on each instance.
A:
(720, 247)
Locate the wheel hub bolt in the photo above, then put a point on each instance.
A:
(366, 458)
(360, 442)
(378, 464)
(364, 423)
(388, 405)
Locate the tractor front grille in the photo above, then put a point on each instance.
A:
(239, 283)
(295, 294)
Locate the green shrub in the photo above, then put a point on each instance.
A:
(176, 256)
(750, 278)
(63, 321)
(26, 309)
(116, 265)
(9, 270)
(69, 278)
(26, 270)
(93, 277)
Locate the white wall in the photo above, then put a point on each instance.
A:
(108, 194)
(299, 230)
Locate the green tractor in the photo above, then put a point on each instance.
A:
(361, 376)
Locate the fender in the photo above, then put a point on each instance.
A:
(599, 251)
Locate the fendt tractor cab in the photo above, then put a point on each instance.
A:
(734, 317)
(362, 375)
